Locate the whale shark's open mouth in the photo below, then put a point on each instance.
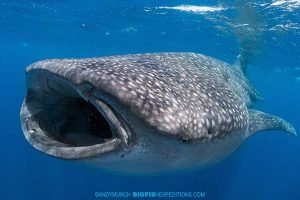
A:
(67, 121)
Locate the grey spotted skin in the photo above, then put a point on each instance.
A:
(142, 113)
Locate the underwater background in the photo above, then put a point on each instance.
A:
(266, 166)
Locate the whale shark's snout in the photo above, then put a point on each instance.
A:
(69, 121)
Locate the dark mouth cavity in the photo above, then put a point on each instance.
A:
(65, 116)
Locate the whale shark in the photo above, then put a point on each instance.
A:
(142, 113)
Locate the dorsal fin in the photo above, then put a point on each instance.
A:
(242, 63)
(240, 66)
(260, 121)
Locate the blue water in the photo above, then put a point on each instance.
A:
(266, 166)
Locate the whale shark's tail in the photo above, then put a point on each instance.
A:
(248, 28)
(249, 31)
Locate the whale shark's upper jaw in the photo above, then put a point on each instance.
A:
(68, 121)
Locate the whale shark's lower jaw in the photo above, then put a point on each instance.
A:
(67, 121)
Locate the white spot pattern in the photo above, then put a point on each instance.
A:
(178, 93)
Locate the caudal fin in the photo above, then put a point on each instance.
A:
(260, 121)
(249, 29)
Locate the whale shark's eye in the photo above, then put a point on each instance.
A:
(184, 138)
(66, 117)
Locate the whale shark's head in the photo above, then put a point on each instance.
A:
(156, 112)
(69, 121)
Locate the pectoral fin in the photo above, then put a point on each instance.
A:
(260, 121)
